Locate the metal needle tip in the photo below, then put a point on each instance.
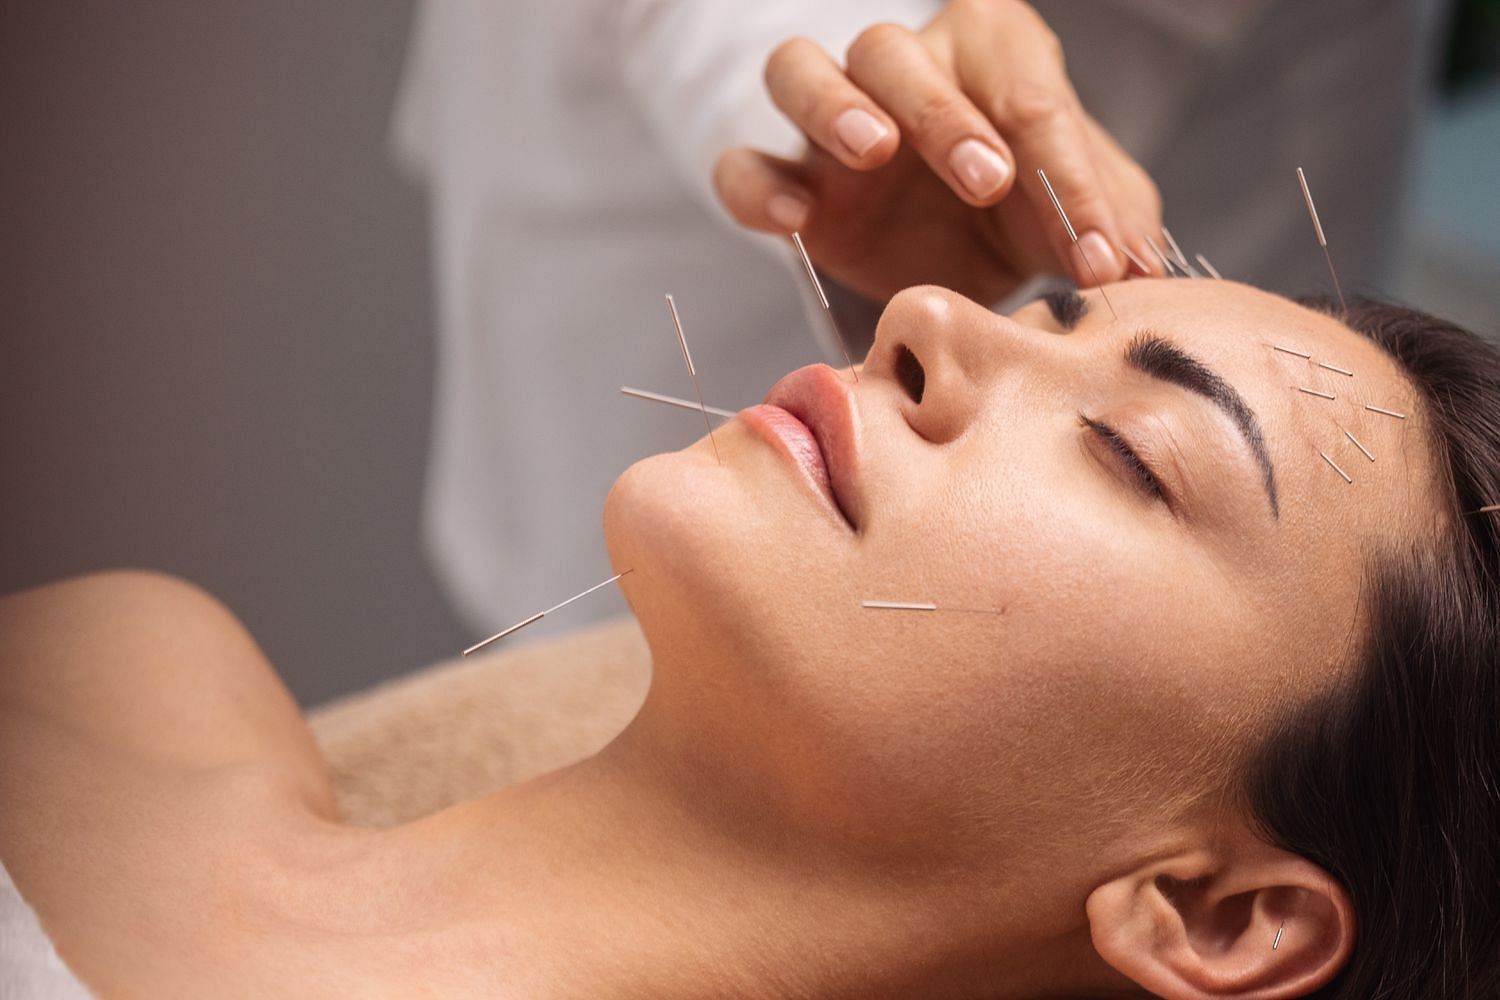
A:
(1322, 240)
(1140, 264)
(685, 404)
(687, 357)
(1277, 943)
(1336, 468)
(1492, 508)
(1389, 413)
(1203, 262)
(541, 614)
(812, 275)
(1074, 237)
(926, 606)
(1182, 260)
(1288, 350)
(1315, 392)
(1363, 450)
(1335, 368)
(1166, 262)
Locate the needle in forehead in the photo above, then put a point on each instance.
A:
(687, 357)
(1166, 262)
(1140, 264)
(1182, 260)
(1074, 237)
(812, 276)
(1322, 240)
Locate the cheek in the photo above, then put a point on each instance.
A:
(1116, 645)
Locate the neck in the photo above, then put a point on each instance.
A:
(646, 872)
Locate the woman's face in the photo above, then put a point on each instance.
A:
(1134, 512)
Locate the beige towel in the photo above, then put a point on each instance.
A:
(460, 729)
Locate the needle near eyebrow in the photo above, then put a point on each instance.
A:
(1074, 237)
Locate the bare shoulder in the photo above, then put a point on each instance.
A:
(143, 670)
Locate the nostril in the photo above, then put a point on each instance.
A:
(909, 373)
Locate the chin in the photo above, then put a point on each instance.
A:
(665, 520)
(715, 552)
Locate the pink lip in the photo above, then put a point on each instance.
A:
(811, 417)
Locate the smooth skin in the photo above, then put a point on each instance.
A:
(817, 800)
(922, 159)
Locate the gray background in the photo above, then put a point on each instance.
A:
(214, 293)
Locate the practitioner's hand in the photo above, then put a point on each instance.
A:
(922, 159)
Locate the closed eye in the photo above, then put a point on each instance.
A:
(1141, 475)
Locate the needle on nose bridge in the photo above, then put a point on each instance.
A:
(1074, 237)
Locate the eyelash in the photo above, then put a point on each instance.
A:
(1145, 479)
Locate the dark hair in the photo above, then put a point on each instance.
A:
(1391, 781)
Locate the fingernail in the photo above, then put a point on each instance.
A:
(859, 131)
(1100, 254)
(788, 211)
(978, 168)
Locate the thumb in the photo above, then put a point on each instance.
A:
(763, 192)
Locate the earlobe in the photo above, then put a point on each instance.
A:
(1261, 924)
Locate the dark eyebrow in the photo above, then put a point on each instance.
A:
(1067, 306)
(1152, 355)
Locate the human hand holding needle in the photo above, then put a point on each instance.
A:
(922, 159)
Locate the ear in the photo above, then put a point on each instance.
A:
(1204, 926)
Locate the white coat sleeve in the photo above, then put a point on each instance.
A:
(694, 68)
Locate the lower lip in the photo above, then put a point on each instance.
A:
(795, 440)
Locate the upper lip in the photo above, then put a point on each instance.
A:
(824, 402)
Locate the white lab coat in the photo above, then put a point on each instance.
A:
(567, 147)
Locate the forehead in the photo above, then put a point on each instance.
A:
(1348, 474)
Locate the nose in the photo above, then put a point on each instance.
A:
(945, 352)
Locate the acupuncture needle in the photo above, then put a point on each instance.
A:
(812, 275)
(1074, 237)
(1322, 240)
(1140, 264)
(686, 404)
(540, 615)
(1166, 262)
(1182, 260)
(924, 606)
(1214, 271)
(687, 357)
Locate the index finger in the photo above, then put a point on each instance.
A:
(1033, 106)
